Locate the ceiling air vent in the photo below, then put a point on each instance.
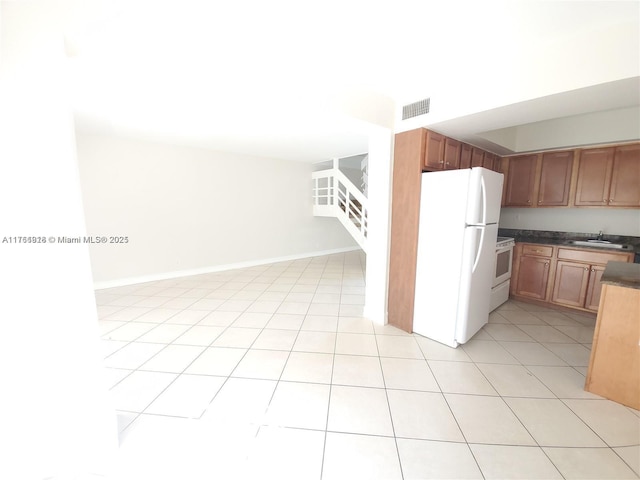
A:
(415, 109)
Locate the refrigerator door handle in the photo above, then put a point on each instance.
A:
(483, 197)
(478, 248)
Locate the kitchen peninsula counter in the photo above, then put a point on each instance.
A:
(622, 275)
(614, 367)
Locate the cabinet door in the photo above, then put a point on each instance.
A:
(533, 275)
(625, 177)
(451, 154)
(477, 157)
(434, 151)
(555, 178)
(594, 177)
(487, 162)
(497, 164)
(521, 180)
(570, 283)
(465, 156)
(594, 288)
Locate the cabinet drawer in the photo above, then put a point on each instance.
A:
(539, 250)
(591, 257)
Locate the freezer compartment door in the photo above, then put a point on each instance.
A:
(485, 194)
(476, 279)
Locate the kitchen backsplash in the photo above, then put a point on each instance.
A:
(614, 221)
(521, 235)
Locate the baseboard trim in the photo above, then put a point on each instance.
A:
(121, 282)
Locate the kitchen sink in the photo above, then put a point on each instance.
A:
(599, 243)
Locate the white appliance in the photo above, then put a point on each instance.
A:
(459, 211)
(502, 272)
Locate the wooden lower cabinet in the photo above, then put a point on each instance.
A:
(564, 276)
(577, 276)
(570, 284)
(594, 289)
(532, 264)
(614, 366)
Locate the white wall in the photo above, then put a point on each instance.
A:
(55, 419)
(612, 221)
(609, 126)
(379, 221)
(510, 68)
(187, 209)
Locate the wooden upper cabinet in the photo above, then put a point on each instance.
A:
(434, 151)
(520, 182)
(465, 155)
(488, 159)
(594, 177)
(451, 154)
(555, 179)
(625, 177)
(497, 164)
(477, 157)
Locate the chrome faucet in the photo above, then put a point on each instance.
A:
(599, 237)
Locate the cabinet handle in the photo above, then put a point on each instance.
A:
(546, 264)
(586, 268)
(593, 270)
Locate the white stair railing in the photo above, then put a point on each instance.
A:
(364, 169)
(334, 195)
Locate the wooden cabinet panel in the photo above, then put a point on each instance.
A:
(555, 178)
(487, 162)
(477, 157)
(594, 288)
(565, 276)
(614, 366)
(538, 250)
(434, 151)
(593, 256)
(625, 177)
(408, 160)
(497, 164)
(451, 154)
(521, 181)
(465, 155)
(533, 275)
(570, 284)
(577, 277)
(594, 177)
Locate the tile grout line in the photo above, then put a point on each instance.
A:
(333, 365)
(386, 394)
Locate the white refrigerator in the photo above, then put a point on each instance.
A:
(459, 212)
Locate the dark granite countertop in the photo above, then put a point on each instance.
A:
(622, 274)
(563, 238)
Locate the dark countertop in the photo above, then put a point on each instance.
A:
(562, 238)
(622, 274)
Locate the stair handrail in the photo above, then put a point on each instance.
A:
(353, 189)
(354, 217)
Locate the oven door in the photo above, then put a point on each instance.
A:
(504, 257)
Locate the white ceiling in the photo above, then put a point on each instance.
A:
(272, 78)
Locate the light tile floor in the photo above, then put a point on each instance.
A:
(271, 372)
